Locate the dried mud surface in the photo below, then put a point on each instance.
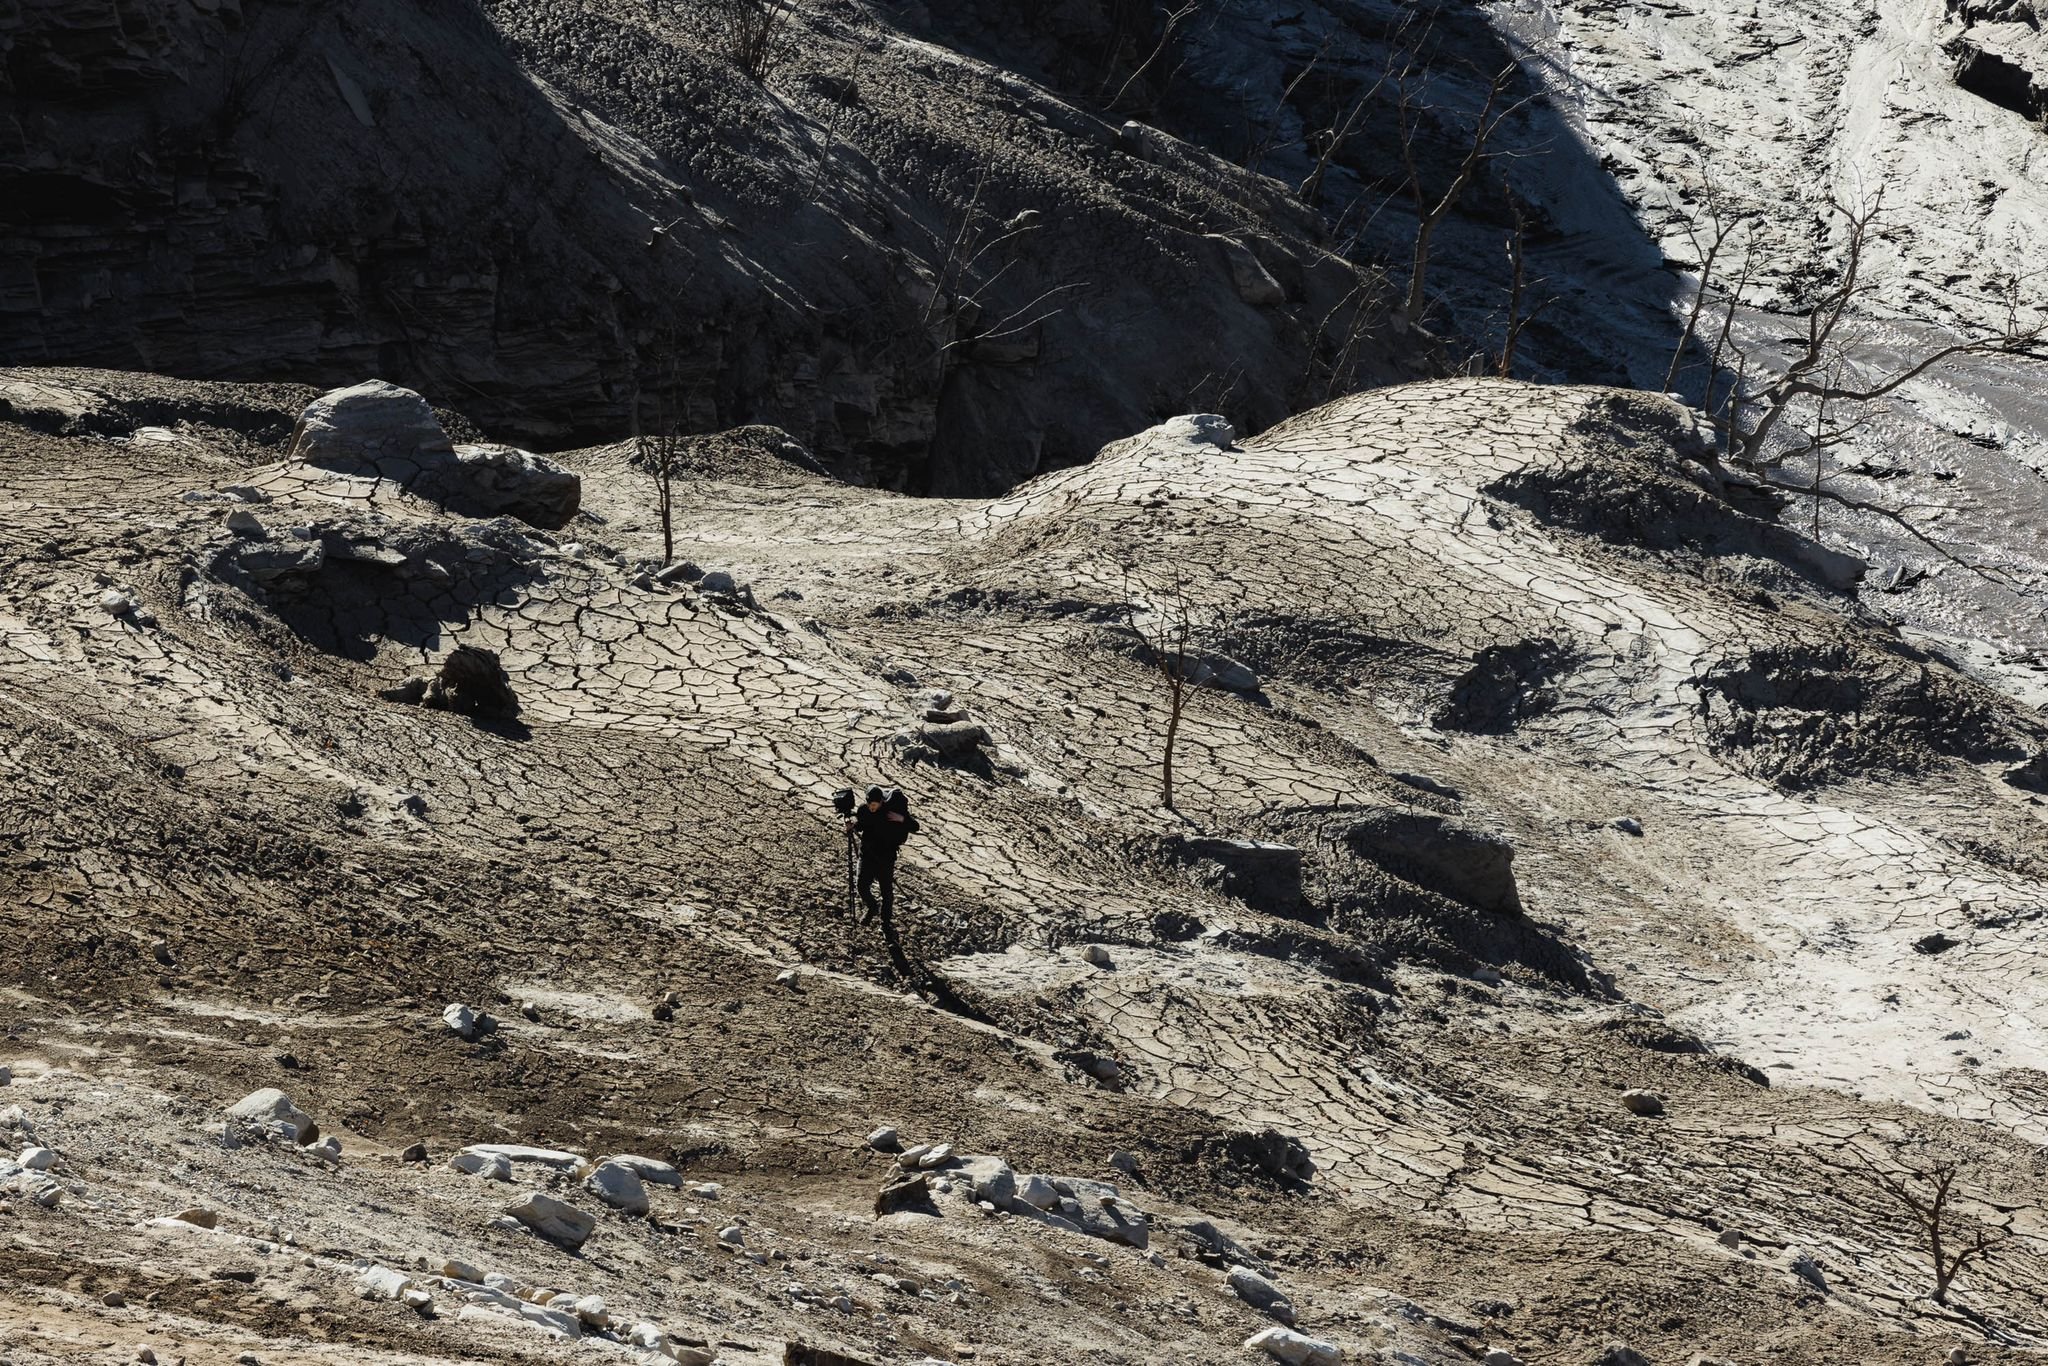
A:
(324, 871)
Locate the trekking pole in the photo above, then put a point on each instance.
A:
(852, 883)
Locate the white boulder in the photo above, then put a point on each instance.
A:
(1294, 1349)
(654, 1173)
(618, 1186)
(272, 1106)
(552, 1219)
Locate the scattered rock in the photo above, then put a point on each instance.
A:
(553, 1220)
(1500, 1356)
(37, 1159)
(986, 1178)
(1261, 1294)
(1641, 1102)
(416, 1153)
(327, 1149)
(1292, 1348)
(198, 1217)
(1096, 954)
(115, 603)
(1123, 1161)
(1628, 825)
(618, 1186)
(592, 1311)
(515, 1152)
(1729, 1238)
(383, 1283)
(732, 1235)
(490, 1166)
(932, 1158)
(885, 1140)
(912, 1193)
(1801, 1264)
(270, 1107)
(1620, 1354)
(114, 1299)
(708, 1190)
(465, 1023)
(649, 1170)
(473, 683)
(410, 693)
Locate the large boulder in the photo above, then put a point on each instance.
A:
(1260, 873)
(1452, 857)
(379, 430)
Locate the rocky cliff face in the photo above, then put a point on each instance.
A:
(566, 217)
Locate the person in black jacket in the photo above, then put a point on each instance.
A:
(884, 823)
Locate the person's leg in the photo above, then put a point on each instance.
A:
(885, 871)
(872, 870)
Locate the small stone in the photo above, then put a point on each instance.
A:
(116, 603)
(114, 1299)
(1097, 955)
(198, 1217)
(37, 1159)
(1628, 825)
(707, 1190)
(885, 1139)
(733, 1236)
(244, 522)
(663, 1011)
(1125, 1162)
(1958, 1357)
(718, 581)
(1500, 1356)
(327, 1149)
(457, 1270)
(528, 1010)
(145, 1357)
(460, 1020)
(1640, 1102)
(6, 1077)
(592, 1310)
(1621, 1354)
(788, 977)
(160, 949)
(935, 1157)
(417, 1300)
(416, 1153)
(1729, 1238)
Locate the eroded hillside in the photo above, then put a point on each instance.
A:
(1530, 770)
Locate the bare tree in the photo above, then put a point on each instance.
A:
(1173, 22)
(661, 453)
(1768, 414)
(1521, 312)
(965, 285)
(759, 35)
(1925, 1188)
(1825, 353)
(1164, 620)
(1411, 110)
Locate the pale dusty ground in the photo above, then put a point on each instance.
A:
(226, 779)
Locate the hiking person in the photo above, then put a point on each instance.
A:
(883, 824)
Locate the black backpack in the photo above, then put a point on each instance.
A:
(897, 802)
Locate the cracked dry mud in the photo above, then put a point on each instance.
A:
(1527, 610)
